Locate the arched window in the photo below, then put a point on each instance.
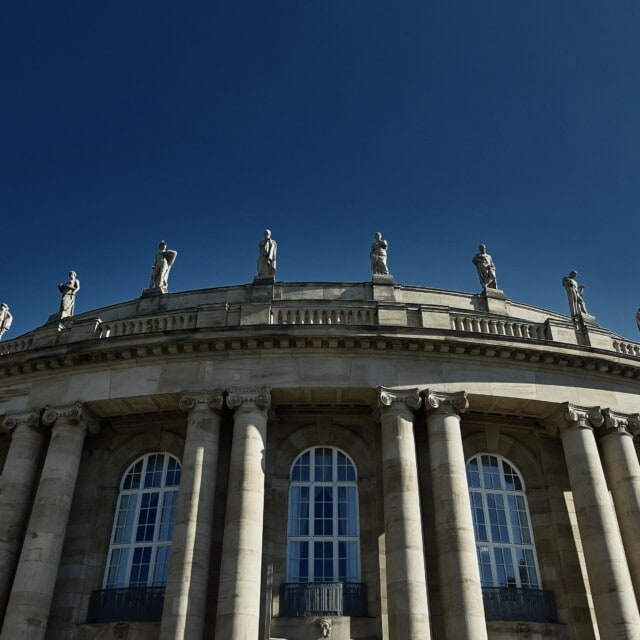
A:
(501, 523)
(323, 529)
(143, 524)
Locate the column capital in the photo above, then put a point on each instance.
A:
(28, 417)
(572, 415)
(403, 399)
(620, 423)
(251, 399)
(194, 400)
(446, 403)
(74, 413)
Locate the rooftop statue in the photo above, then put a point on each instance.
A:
(486, 269)
(68, 291)
(638, 319)
(574, 293)
(267, 249)
(378, 255)
(5, 319)
(162, 265)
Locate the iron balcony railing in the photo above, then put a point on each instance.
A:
(522, 605)
(323, 599)
(126, 605)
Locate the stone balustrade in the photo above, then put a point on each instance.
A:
(627, 348)
(134, 326)
(11, 346)
(312, 314)
(498, 326)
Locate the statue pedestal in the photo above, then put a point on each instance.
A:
(379, 278)
(383, 287)
(153, 291)
(494, 301)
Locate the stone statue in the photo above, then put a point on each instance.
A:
(5, 319)
(267, 249)
(68, 291)
(162, 265)
(324, 626)
(574, 293)
(486, 269)
(638, 319)
(378, 255)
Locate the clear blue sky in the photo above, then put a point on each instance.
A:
(441, 124)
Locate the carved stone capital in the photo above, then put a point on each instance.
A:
(30, 418)
(198, 400)
(614, 422)
(634, 424)
(572, 415)
(74, 413)
(398, 399)
(249, 399)
(446, 403)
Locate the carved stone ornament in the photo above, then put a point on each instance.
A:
(198, 400)
(572, 415)
(28, 418)
(249, 399)
(634, 424)
(324, 627)
(398, 399)
(616, 422)
(71, 413)
(448, 403)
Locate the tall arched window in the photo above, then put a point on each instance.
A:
(323, 529)
(143, 524)
(501, 523)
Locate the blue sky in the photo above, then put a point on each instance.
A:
(440, 124)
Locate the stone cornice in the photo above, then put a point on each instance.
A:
(199, 400)
(398, 400)
(30, 418)
(447, 403)
(74, 413)
(356, 339)
(249, 399)
(572, 415)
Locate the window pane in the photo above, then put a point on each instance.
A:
(132, 481)
(161, 570)
(323, 465)
(140, 567)
(153, 474)
(124, 519)
(169, 501)
(490, 472)
(116, 575)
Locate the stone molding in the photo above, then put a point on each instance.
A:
(74, 413)
(572, 415)
(249, 399)
(446, 403)
(398, 400)
(201, 401)
(486, 346)
(29, 418)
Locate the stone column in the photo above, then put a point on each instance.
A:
(16, 490)
(238, 613)
(185, 600)
(613, 597)
(455, 540)
(407, 603)
(623, 473)
(32, 591)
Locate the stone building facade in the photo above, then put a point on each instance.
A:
(305, 460)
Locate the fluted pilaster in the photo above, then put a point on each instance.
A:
(455, 540)
(407, 602)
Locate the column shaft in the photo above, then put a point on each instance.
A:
(32, 591)
(407, 602)
(457, 558)
(16, 490)
(613, 597)
(238, 616)
(186, 593)
(623, 474)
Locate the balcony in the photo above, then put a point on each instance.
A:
(126, 605)
(323, 599)
(522, 605)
